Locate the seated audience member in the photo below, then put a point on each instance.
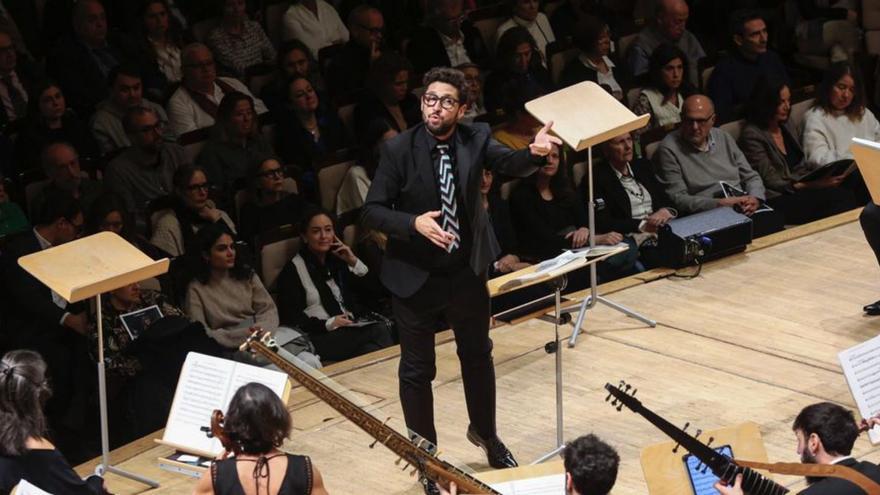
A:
(144, 171)
(668, 27)
(235, 142)
(634, 202)
(839, 114)
(269, 205)
(473, 78)
(447, 40)
(36, 318)
(228, 298)
(294, 59)
(142, 373)
(314, 293)
(26, 454)
(517, 59)
(347, 70)
(569, 13)
(827, 28)
(61, 164)
(826, 433)
(499, 215)
(593, 40)
(126, 91)
(194, 105)
(548, 215)
(524, 13)
(870, 222)
(307, 128)
(314, 22)
(665, 89)
(239, 43)
(108, 214)
(49, 120)
(82, 64)
(693, 160)
(12, 217)
(190, 210)
(387, 98)
(519, 127)
(258, 421)
(735, 75)
(161, 38)
(17, 80)
(777, 157)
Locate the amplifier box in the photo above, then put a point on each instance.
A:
(704, 236)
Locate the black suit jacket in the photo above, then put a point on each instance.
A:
(28, 75)
(426, 49)
(405, 186)
(617, 213)
(837, 486)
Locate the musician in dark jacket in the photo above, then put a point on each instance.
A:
(426, 197)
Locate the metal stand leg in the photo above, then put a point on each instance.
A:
(559, 285)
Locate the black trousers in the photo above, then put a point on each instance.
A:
(808, 205)
(348, 342)
(462, 300)
(870, 220)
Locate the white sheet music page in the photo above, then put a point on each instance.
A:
(861, 367)
(553, 484)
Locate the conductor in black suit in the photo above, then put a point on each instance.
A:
(426, 197)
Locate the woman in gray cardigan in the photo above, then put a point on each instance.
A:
(778, 158)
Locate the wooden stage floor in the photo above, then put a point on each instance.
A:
(754, 337)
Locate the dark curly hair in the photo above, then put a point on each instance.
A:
(592, 465)
(452, 77)
(23, 391)
(256, 420)
(835, 426)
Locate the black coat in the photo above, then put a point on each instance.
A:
(837, 486)
(617, 213)
(426, 49)
(405, 186)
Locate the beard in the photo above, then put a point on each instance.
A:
(440, 128)
(808, 458)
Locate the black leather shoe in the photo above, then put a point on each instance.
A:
(872, 309)
(429, 486)
(498, 455)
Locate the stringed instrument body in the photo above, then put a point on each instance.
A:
(413, 454)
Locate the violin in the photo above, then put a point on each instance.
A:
(218, 432)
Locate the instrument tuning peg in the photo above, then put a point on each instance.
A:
(383, 424)
(608, 397)
(620, 407)
(207, 430)
(633, 394)
(397, 462)
(711, 439)
(675, 449)
(413, 472)
(705, 468)
(622, 383)
(699, 432)
(685, 428)
(405, 467)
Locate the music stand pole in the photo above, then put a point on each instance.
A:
(559, 284)
(590, 301)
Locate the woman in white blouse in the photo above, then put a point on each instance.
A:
(314, 22)
(162, 37)
(838, 115)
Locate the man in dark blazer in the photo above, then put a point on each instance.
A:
(18, 77)
(447, 31)
(430, 176)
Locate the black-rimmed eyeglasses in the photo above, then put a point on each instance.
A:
(446, 102)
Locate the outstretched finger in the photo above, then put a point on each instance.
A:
(546, 128)
(555, 140)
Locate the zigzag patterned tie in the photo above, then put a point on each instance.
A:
(448, 204)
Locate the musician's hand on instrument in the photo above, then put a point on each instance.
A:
(426, 225)
(453, 489)
(724, 489)
(544, 141)
(867, 424)
(338, 321)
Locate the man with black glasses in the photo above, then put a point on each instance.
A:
(426, 197)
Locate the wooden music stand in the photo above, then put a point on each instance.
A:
(525, 278)
(87, 268)
(665, 472)
(867, 155)
(584, 115)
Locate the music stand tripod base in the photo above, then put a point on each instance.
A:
(558, 284)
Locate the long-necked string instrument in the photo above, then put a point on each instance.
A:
(727, 468)
(414, 454)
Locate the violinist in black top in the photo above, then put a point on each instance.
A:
(255, 426)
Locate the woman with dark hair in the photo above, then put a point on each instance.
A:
(387, 97)
(593, 40)
(257, 422)
(235, 143)
(525, 14)
(517, 58)
(228, 298)
(108, 214)
(239, 43)
(838, 115)
(270, 204)
(189, 210)
(314, 293)
(307, 129)
(667, 88)
(50, 120)
(776, 155)
(294, 59)
(548, 215)
(26, 454)
(161, 38)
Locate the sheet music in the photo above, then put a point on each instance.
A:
(553, 484)
(861, 367)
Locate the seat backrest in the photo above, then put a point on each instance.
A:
(487, 20)
(796, 117)
(734, 128)
(274, 256)
(632, 96)
(201, 29)
(558, 60)
(330, 180)
(273, 16)
(578, 172)
(704, 77)
(31, 191)
(257, 82)
(624, 43)
(507, 188)
(346, 115)
(650, 149)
